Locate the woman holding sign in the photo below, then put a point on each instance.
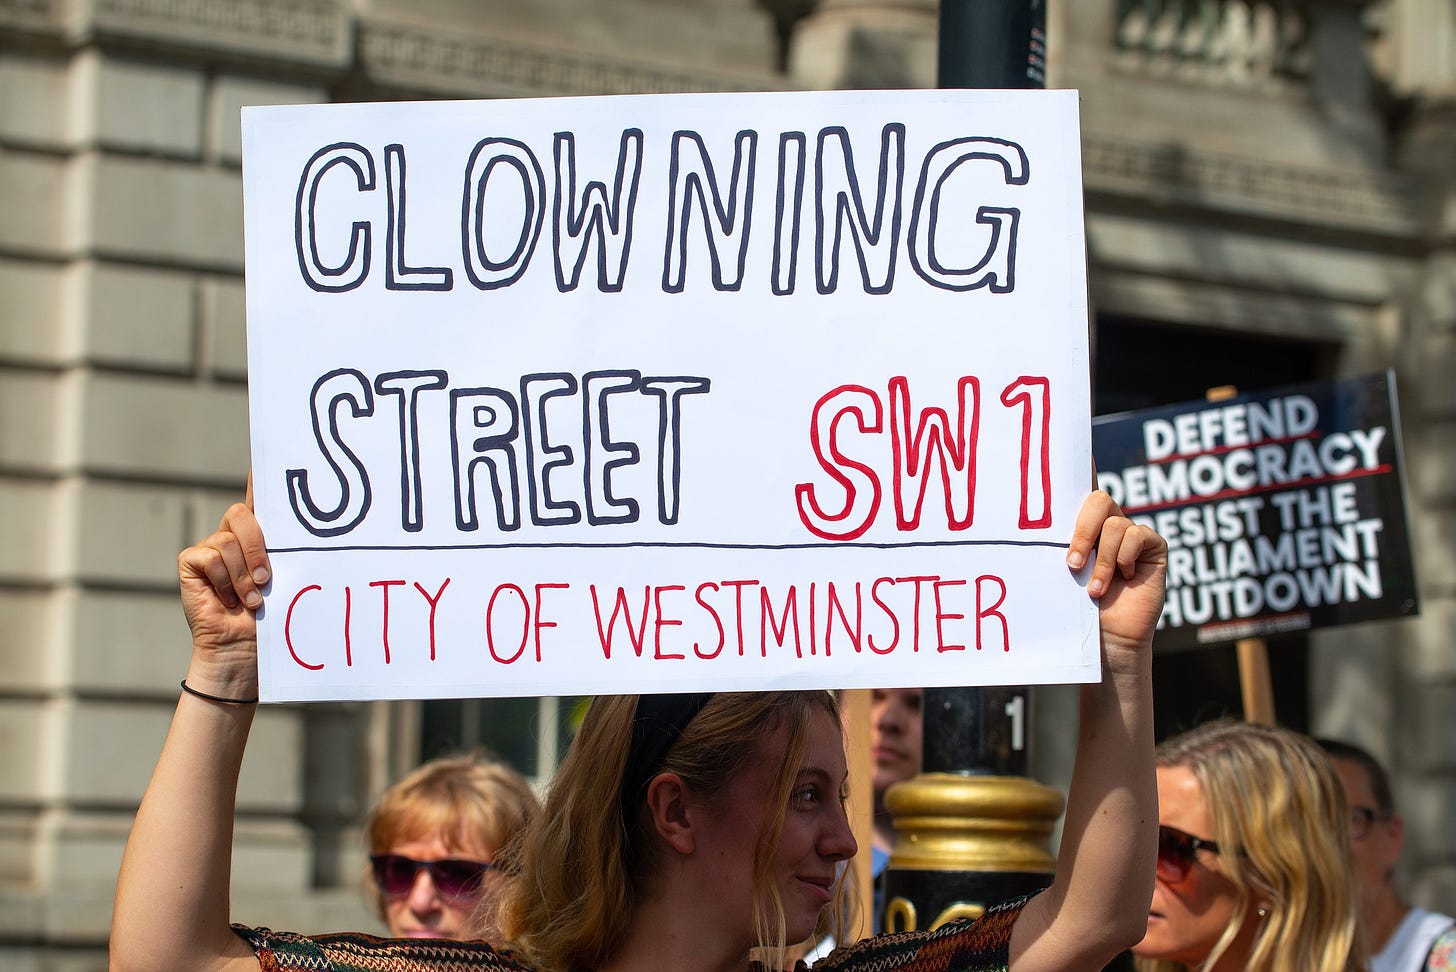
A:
(682, 832)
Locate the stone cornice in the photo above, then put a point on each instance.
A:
(312, 34)
(28, 8)
(1228, 304)
(1378, 203)
(45, 15)
(328, 35)
(472, 65)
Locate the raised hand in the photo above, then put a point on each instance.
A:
(1128, 574)
(221, 581)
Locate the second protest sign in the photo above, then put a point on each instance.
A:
(1284, 510)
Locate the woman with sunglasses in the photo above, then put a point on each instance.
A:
(1253, 856)
(432, 839)
(682, 832)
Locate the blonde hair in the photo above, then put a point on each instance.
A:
(592, 853)
(1283, 830)
(465, 800)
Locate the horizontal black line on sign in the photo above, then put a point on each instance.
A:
(828, 545)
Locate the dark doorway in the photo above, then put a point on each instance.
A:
(1140, 364)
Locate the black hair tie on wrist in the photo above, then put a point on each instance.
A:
(215, 698)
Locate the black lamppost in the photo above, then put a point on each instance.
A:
(973, 829)
(992, 44)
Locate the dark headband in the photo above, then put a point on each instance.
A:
(659, 722)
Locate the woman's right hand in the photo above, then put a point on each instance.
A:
(177, 868)
(221, 580)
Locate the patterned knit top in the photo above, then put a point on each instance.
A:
(960, 946)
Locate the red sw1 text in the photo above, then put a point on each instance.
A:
(915, 445)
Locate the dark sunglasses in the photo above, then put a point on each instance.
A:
(395, 874)
(1177, 851)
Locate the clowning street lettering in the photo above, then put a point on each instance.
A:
(497, 439)
(1277, 517)
(493, 435)
(506, 175)
(577, 395)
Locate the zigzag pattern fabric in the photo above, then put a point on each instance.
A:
(959, 946)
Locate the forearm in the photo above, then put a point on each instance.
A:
(1110, 833)
(172, 896)
(1097, 904)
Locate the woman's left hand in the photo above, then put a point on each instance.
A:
(1129, 572)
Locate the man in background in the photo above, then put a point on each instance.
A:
(1401, 938)
(896, 723)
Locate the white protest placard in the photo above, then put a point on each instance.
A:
(668, 393)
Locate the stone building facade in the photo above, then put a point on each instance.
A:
(1270, 198)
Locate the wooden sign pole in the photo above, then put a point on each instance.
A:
(1254, 681)
(856, 706)
(1255, 684)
